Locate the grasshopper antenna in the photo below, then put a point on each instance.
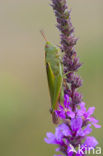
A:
(43, 35)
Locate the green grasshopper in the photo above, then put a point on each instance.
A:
(54, 70)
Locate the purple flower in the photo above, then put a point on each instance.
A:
(85, 131)
(77, 98)
(87, 114)
(90, 142)
(61, 132)
(75, 122)
(64, 134)
(65, 111)
(50, 138)
(76, 127)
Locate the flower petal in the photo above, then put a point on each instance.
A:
(96, 125)
(90, 142)
(65, 130)
(86, 131)
(70, 114)
(82, 106)
(70, 150)
(62, 130)
(57, 149)
(58, 134)
(66, 101)
(50, 138)
(94, 122)
(61, 114)
(90, 111)
(82, 109)
(76, 124)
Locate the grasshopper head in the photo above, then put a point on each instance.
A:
(49, 48)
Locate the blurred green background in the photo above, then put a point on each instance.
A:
(24, 97)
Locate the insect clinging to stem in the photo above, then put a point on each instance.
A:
(54, 69)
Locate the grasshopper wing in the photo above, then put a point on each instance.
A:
(57, 88)
(50, 77)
